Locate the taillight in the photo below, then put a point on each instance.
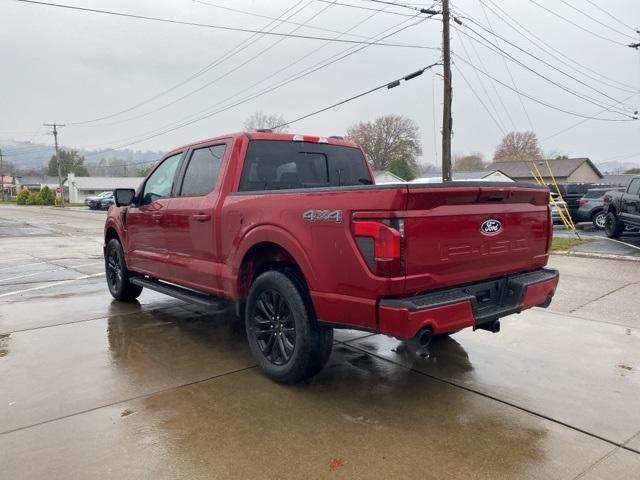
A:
(381, 244)
(582, 201)
(550, 228)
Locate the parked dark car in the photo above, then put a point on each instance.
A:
(107, 201)
(623, 210)
(573, 192)
(592, 206)
(94, 202)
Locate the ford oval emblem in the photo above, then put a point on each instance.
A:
(491, 227)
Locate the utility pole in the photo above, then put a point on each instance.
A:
(447, 121)
(55, 140)
(1, 175)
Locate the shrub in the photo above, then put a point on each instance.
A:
(23, 196)
(34, 198)
(46, 196)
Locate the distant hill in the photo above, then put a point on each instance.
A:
(617, 167)
(27, 155)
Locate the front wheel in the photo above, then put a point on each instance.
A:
(599, 219)
(117, 274)
(613, 227)
(283, 335)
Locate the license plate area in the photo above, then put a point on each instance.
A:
(486, 296)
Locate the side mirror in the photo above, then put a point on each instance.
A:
(124, 196)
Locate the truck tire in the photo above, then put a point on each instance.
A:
(283, 335)
(613, 227)
(599, 219)
(117, 274)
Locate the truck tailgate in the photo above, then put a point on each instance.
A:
(461, 233)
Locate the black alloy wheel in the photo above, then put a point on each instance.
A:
(274, 327)
(283, 333)
(117, 274)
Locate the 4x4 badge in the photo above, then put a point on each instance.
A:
(323, 215)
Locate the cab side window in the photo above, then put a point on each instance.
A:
(202, 171)
(634, 188)
(160, 182)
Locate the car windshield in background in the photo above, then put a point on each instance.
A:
(278, 165)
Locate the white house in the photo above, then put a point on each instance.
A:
(480, 176)
(384, 177)
(82, 187)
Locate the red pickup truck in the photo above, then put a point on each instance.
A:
(292, 230)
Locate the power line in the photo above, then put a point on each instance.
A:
(217, 27)
(480, 100)
(541, 102)
(227, 72)
(262, 80)
(258, 15)
(360, 7)
(493, 85)
(299, 75)
(540, 41)
(388, 85)
(611, 16)
(507, 55)
(428, 11)
(577, 25)
(513, 82)
(553, 82)
(218, 61)
(583, 121)
(596, 20)
(498, 120)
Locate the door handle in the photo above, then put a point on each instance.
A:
(201, 217)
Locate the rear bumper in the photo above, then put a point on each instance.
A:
(472, 305)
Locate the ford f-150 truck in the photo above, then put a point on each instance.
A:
(622, 210)
(291, 230)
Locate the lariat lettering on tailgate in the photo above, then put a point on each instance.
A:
(484, 247)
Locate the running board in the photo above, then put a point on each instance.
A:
(180, 293)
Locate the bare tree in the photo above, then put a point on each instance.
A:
(391, 142)
(467, 163)
(518, 146)
(260, 121)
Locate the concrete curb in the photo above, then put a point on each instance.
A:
(606, 256)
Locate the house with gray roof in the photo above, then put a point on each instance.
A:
(492, 175)
(36, 183)
(83, 187)
(565, 170)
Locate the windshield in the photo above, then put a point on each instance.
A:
(277, 165)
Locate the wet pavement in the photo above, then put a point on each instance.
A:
(92, 388)
(626, 246)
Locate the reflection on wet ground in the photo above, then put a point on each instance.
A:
(91, 388)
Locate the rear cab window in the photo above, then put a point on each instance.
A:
(202, 171)
(283, 165)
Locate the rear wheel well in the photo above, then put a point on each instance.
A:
(267, 256)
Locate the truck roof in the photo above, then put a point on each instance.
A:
(284, 137)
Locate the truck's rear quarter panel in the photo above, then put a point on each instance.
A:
(342, 287)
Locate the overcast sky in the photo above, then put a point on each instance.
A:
(71, 66)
